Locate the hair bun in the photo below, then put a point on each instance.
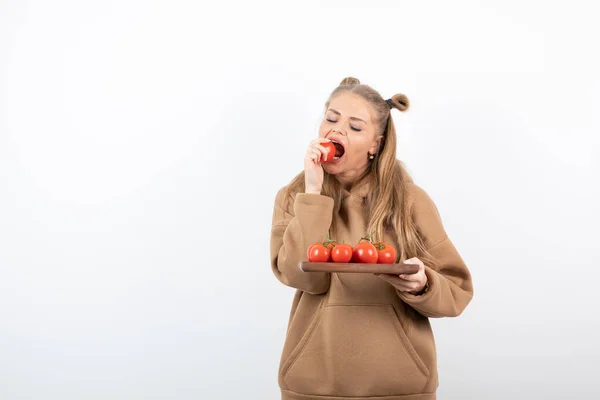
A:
(400, 101)
(349, 81)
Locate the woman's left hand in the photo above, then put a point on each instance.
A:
(412, 283)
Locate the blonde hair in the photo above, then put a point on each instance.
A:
(386, 205)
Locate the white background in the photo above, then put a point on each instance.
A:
(142, 144)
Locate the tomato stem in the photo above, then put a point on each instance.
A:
(368, 238)
(328, 241)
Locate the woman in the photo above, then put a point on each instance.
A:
(357, 335)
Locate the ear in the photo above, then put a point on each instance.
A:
(376, 145)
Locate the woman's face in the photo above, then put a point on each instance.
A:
(350, 120)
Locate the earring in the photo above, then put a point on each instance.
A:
(372, 156)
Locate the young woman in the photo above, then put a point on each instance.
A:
(357, 335)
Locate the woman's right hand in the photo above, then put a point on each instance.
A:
(313, 170)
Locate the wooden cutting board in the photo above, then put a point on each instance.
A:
(395, 269)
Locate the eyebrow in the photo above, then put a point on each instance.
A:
(353, 118)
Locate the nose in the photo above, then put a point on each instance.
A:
(335, 130)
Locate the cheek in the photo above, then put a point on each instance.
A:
(359, 146)
(322, 130)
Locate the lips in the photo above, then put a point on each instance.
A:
(339, 147)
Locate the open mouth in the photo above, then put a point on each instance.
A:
(339, 150)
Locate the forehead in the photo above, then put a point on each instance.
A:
(351, 105)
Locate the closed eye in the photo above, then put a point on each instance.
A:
(351, 127)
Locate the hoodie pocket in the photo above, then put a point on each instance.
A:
(355, 350)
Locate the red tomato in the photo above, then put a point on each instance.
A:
(364, 252)
(331, 245)
(342, 253)
(386, 253)
(330, 153)
(310, 247)
(318, 253)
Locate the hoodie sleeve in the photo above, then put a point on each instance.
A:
(293, 229)
(450, 285)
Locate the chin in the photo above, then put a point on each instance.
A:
(333, 169)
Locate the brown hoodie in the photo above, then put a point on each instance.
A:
(353, 335)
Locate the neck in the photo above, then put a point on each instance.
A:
(347, 179)
(345, 183)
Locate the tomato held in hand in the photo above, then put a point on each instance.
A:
(330, 153)
(364, 252)
(341, 253)
(386, 253)
(318, 253)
